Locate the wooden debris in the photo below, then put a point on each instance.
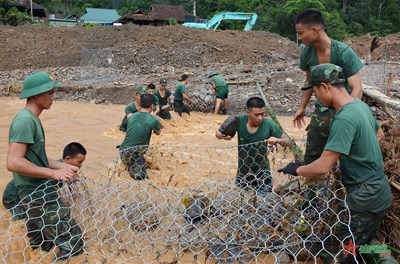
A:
(394, 184)
(297, 152)
(380, 97)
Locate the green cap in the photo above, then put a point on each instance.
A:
(325, 73)
(38, 83)
(163, 81)
(211, 74)
(140, 90)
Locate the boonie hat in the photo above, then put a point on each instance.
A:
(325, 73)
(211, 74)
(38, 83)
(140, 90)
(163, 81)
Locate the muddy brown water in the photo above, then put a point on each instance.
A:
(95, 126)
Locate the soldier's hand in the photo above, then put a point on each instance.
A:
(272, 140)
(65, 174)
(291, 168)
(219, 135)
(298, 118)
(225, 137)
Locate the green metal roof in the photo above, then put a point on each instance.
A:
(100, 15)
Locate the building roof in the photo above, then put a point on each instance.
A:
(62, 18)
(165, 12)
(138, 15)
(100, 15)
(27, 3)
(23, 5)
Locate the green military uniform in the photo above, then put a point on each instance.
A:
(318, 129)
(129, 109)
(222, 89)
(179, 106)
(48, 220)
(135, 144)
(11, 201)
(253, 165)
(10, 195)
(352, 133)
(156, 100)
(164, 114)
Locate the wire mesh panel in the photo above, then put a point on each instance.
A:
(204, 98)
(192, 209)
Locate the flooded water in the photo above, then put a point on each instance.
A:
(96, 127)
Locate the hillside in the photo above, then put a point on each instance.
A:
(101, 64)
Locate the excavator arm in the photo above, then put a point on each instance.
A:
(214, 22)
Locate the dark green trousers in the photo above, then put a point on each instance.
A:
(51, 222)
(363, 226)
(165, 114)
(318, 132)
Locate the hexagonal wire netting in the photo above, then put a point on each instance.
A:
(194, 209)
(216, 218)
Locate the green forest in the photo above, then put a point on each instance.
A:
(343, 18)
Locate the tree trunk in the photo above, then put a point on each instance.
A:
(344, 6)
(381, 3)
(380, 97)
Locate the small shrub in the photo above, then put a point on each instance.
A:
(88, 24)
(172, 21)
(16, 18)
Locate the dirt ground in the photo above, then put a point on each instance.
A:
(96, 64)
(132, 46)
(146, 46)
(384, 48)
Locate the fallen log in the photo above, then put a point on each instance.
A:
(387, 111)
(380, 97)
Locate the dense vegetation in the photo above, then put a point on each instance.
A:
(344, 18)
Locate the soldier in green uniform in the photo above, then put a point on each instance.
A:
(140, 127)
(255, 132)
(164, 96)
(74, 154)
(180, 95)
(151, 89)
(221, 89)
(48, 220)
(132, 107)
(319, 48)
(353, 140)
